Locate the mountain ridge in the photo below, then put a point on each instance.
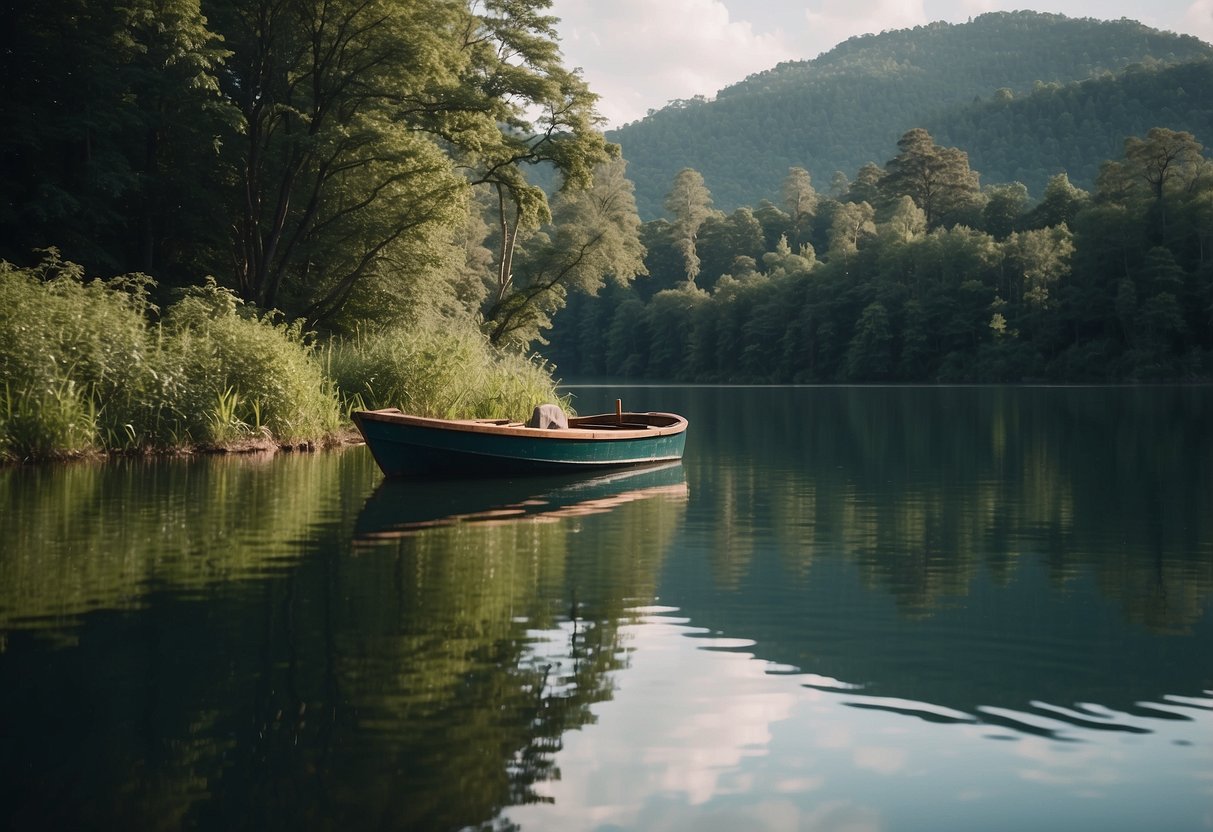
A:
(849, 105)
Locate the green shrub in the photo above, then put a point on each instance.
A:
(243, 374)
(71, 354)
(82, 367)
(452, 373)
(39, 423)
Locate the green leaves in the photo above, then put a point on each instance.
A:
(938, 179)
(594, 236)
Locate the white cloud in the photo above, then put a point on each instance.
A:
(638, 55)
(1198, 19)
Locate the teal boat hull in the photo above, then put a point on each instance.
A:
(405, 445)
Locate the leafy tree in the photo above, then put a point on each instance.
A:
(1159, 167)
(1059, 205)
(514, 70)
(906, 223)
(1163, 159)
(938, 179)
(690, 204)
(672, 313)
(867, 184)
(594, 236)
(727, 242)
(870, 354)
(1003, 209)
(783, 262)
(852, 223)
(352, 114)
(800, 200)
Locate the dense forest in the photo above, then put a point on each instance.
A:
(916, 273)
(1075, 127)
(1070, 90)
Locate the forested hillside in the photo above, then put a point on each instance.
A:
(1074, 127)
(848, 106)
(916, 273)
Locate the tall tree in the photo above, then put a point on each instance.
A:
(352, 111)
(1003, 209)
(1060, 204)
(938, 179)
(853, 221)
(690, 204)
(1164, 158)
(515, 105)
(330, 181)
(800, 200)
(1158, 168)
(594, 236)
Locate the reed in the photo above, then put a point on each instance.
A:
(46, 423)
(244, 373)
(448, 373)
(86, 365)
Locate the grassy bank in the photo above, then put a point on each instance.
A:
(93, 367)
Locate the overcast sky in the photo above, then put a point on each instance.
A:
(640, 54)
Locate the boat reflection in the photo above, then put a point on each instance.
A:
(400, 508)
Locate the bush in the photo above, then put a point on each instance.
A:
(242, 374)
(452, 373)
(83, 367)
(71, 353)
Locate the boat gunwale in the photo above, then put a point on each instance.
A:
(599, 427)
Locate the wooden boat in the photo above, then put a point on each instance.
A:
(406, 445)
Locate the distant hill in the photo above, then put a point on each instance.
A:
(1073, 128)
(849, 106)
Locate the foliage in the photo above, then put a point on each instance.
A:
(316, 157)
(83, 368)
(72, 356)
(241, 372)
(594, 236)
(87, 366)
(444, 373)
(690, 204)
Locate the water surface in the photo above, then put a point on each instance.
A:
(849, 608)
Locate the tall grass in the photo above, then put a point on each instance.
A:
(69, 352)
(244, 374)
(93, 366)
(446, 373)
(85, 366)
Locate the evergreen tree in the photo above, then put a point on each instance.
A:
(938, 179)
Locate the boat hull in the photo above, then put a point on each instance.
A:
(405, 445)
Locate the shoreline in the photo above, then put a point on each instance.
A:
(249, 446)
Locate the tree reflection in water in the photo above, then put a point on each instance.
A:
(419, 680)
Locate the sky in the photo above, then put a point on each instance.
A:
(641, 54)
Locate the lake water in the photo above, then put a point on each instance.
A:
(847, 609)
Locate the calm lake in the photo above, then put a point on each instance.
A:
(847, 609)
